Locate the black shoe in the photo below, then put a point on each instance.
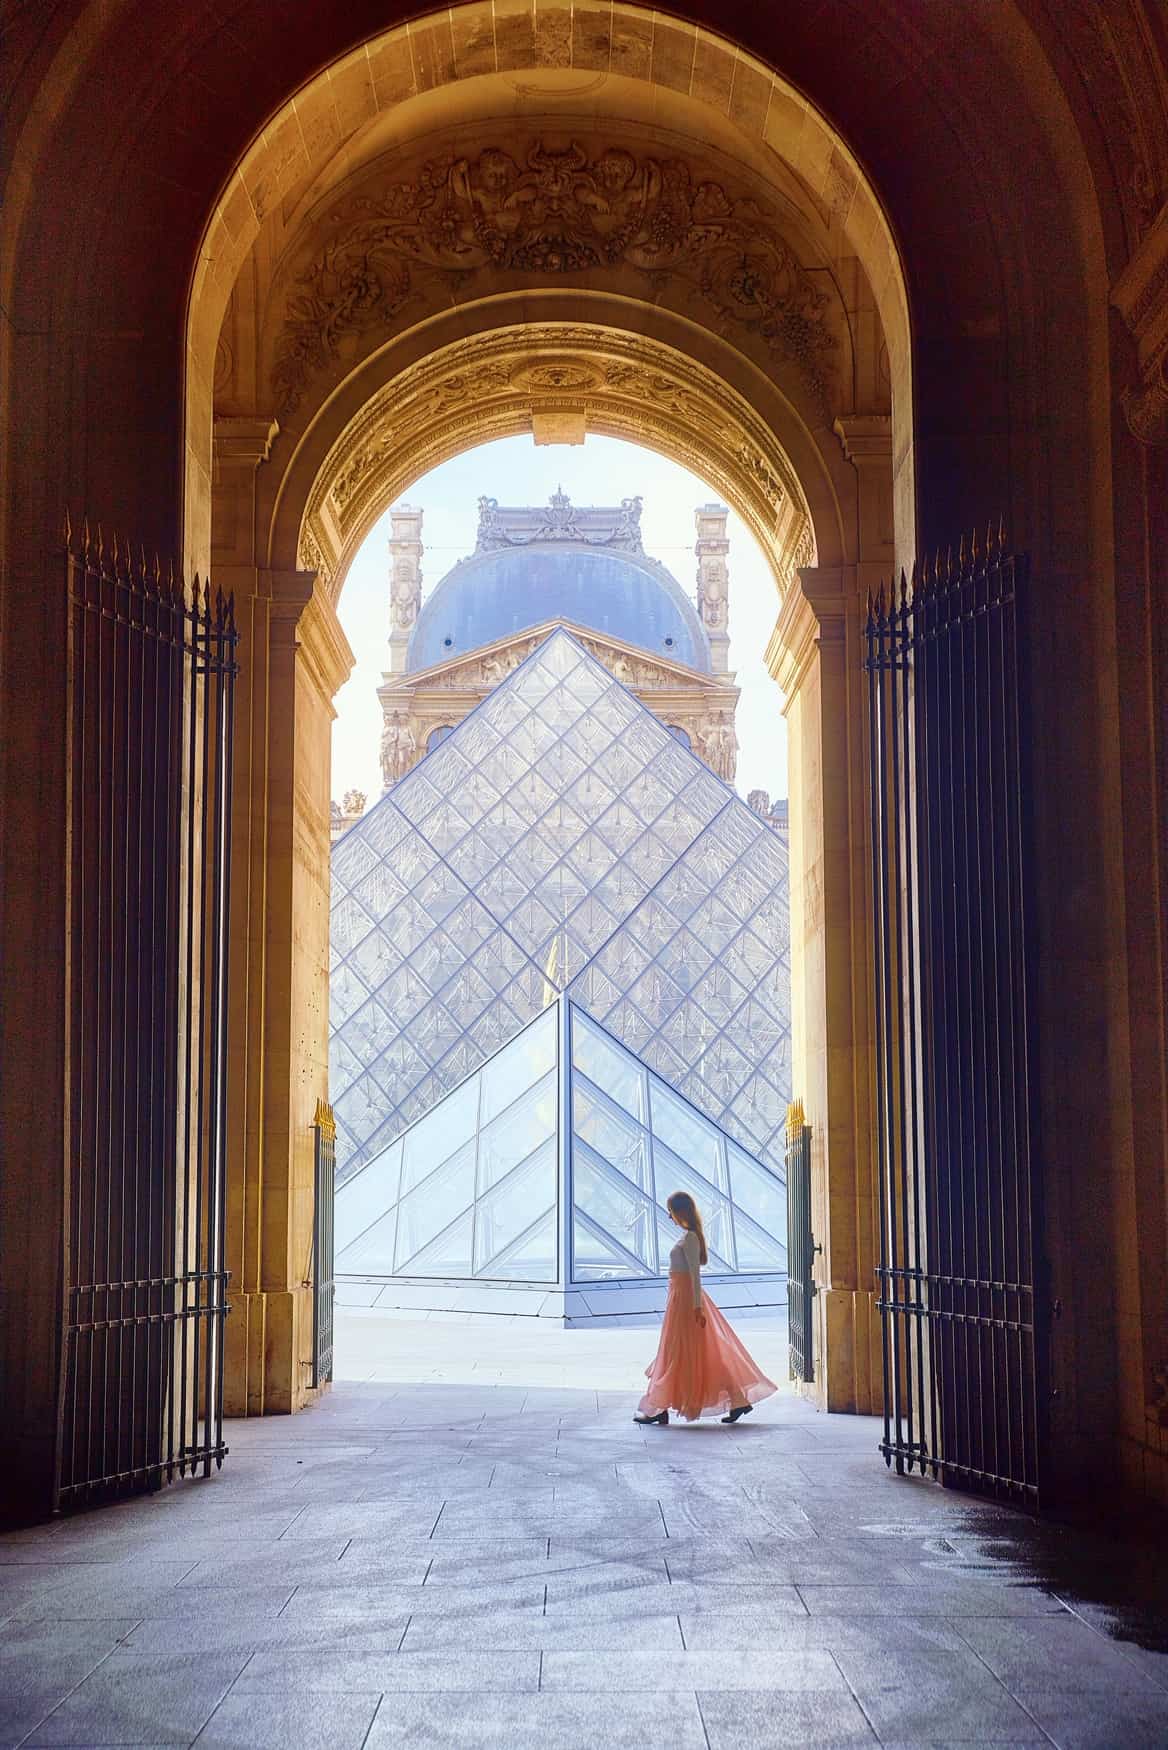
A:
(742, 1410)
(661, 1421)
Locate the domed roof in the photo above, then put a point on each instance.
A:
(606, 585)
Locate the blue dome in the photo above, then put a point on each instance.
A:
(494, 594)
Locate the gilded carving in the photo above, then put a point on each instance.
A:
(562, 211)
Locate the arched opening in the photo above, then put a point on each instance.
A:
(455, 272)
(106, 331)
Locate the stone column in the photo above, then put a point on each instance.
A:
(815, 657)
(293, 656)
(711, 548)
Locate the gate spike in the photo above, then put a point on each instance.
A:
(99, 546)
(143, 571)
(85, 542)
(67, 531)
(156, 572)
(962, 556)
(1002, 532)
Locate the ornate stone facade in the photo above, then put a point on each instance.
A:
(417, 707)
(422, 703)
(552, 211)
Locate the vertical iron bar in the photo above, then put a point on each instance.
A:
(876, 799)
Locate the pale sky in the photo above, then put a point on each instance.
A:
(600, 471)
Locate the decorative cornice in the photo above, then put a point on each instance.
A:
(485, 666)
(548, 213)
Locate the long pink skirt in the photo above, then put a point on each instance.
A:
(699, 1370)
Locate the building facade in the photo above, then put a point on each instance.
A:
(559, 563)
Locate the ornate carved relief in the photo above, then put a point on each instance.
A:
(413, 705)
(642, 391)
(561, 211)
(1119, 66)
(560, 520)
(399, 748)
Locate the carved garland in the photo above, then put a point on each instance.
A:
(564, 212)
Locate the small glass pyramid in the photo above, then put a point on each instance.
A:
(551, 1164)
(558, 839)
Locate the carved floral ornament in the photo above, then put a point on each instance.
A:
(563, 211)
(634, 387)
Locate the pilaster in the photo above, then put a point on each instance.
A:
(405, 582)
(814, 656)
(711, 548)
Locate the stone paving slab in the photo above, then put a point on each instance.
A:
(435, 1558)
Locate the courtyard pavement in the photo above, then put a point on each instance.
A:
(467, 1543)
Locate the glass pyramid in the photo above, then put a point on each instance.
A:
(558, 839)
(552, 1164)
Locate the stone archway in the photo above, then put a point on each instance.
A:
(431, 285)
(508, 381)
(1027, 395)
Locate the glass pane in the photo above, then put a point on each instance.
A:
(596, 1259)
(431, 1207)
(757, 1250)
(612, 1069)
(439, 1134)
(613, 1205)
(760, 1193)
(446, 1255)
(687, 1135)
(365, 1197)
(509, 1209)
(370, 1252)
(517, 1134)
(349, 923)
(723, 1069)
(532, 1257)
(614, 1137)
(524, 1062)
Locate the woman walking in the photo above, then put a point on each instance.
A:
(700, 1366)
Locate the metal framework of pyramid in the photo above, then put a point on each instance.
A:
(559, 840)
(550, 1166)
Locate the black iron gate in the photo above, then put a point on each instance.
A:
(151, 672)
(800, 1246)
(323, 1282)
(948, 798)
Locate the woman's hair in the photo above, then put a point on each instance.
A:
(681, 1204)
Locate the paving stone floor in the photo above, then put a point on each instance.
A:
(468, 1544)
